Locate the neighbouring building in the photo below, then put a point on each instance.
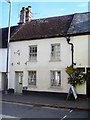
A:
(40, 53)
(3, 55)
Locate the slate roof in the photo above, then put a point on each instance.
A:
(4, 35)
(44, 28)
(75, 24)
(80, 24)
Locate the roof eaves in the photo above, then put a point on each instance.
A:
(78, 34)
(37, 38)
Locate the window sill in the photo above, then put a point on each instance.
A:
(55, 87)
(32, 61)
(54, 60)
(32, 86)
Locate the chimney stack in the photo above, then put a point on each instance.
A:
(22, 15)
(25, 15)
(28, 14)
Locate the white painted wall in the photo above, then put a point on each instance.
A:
(44, 65)
(2, 64)
(3, 60)
(0, 81)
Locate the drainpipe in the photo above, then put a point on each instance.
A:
(72, 49)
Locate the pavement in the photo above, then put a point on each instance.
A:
(40, 100)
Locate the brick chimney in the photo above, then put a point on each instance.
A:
(25, 15)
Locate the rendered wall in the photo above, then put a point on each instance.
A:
(44, 65)
(2, 60)
(2, 64)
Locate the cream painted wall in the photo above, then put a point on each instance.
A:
(44, 65)
(81, 57)
(80, 50)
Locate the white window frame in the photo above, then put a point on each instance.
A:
(55, 79)
(32, 78)
(55, 52)
(33, 53)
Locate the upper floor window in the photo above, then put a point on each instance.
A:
(55, 52)
(55, 78)
(32, 78)
(33, 52)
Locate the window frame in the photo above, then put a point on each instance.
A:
(32, 53)
(30, 83)
(59, 83)
(55, 52)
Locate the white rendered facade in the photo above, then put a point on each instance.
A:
(43, 65)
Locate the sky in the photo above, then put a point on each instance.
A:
(40, 9)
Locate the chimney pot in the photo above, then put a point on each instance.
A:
(23, 8)
(29, 6)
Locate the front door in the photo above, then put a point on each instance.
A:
(88, 82)
(19, 81)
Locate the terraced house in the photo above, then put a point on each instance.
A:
(40, 53)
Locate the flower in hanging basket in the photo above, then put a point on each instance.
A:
(76, 77)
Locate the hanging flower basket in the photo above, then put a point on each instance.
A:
(76, 77)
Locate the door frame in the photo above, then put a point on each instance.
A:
(16, 81)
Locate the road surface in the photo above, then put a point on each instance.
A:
(17, 110)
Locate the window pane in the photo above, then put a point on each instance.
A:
(32, 77)
(55, 52)
(33, 52)
(55, 78)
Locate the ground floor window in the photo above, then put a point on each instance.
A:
(55, 78)
(32, 78)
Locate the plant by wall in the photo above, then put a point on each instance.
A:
(76, 77)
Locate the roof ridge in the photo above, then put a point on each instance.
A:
(81, 13)
(52, 17)
(59, 16)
